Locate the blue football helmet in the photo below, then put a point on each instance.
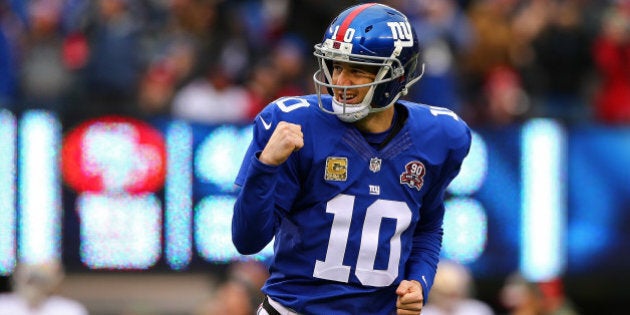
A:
(375, 35)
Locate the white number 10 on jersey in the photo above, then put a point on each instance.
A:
(332, 268)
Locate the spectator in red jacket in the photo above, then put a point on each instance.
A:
(612, 59)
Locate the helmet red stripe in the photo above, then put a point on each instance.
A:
(346, 23)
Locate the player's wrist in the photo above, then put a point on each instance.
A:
(264, 159)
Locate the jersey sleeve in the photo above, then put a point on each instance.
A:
(262, 131)
(427, 241)
(253, 220)
(259, 205)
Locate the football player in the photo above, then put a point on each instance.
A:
(350, 181)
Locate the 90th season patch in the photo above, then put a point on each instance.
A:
(413, 176)
(336, 168)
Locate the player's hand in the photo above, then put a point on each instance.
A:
(285, 139)
(410, 298)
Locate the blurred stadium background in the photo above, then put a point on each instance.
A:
(123, 123)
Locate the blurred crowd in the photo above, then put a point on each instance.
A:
(495, 62)
(35, 291)
(454, 293)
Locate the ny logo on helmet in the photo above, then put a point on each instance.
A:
(402, 34)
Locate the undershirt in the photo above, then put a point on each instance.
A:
(381, 139)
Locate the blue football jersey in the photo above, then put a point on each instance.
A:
(350, 221)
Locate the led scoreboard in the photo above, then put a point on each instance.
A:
(117, 193)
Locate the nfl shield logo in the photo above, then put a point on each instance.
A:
(375, 164)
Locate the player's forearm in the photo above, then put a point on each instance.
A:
(253, 220)
(425, 255)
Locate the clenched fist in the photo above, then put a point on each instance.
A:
(410, 298)
(285, 139)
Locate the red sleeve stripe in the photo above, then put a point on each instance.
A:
(346, 23)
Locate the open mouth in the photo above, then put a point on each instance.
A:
(347, 98)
